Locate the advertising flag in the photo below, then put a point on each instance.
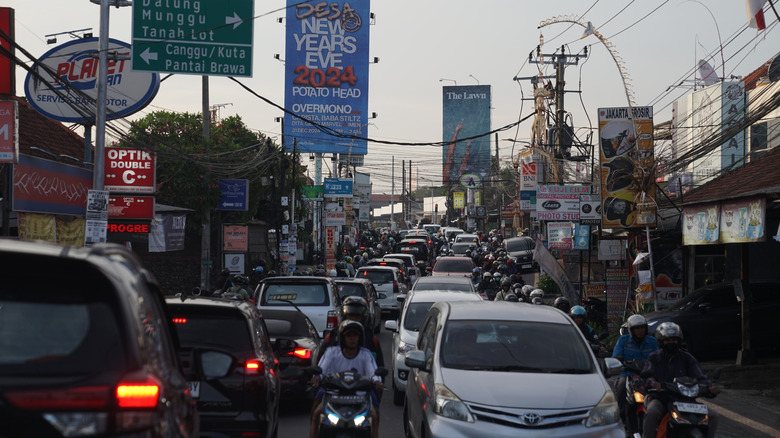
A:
(466, 113)
(326, 76)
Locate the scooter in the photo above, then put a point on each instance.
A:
(685, 417)
(346, 404)
(635, 396)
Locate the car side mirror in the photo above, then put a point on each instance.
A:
(415, 359)
(391, 325)
(401, 298)
(215, 364)
(610, 367)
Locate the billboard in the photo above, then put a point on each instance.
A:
(466, 113)
(625, 150)
(9, 131)
(326, 75)
(45, 186)
(129, 170)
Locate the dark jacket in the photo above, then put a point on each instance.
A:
(660, 367)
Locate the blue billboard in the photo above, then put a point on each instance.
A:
(337, 188)
(326, 75)
(466, 113)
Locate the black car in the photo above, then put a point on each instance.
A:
(521, 250)
(296, 346)
(711, 323)
(86, 346)
(228, 360)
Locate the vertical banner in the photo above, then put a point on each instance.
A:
(617, 280)
(549, 265)
(466, 113)
(626, 148)
(326, 75)
(732, 107)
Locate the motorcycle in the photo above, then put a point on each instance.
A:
(685, 417)
(346, 404)
(635, 396)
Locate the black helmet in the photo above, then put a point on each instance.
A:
(354, 306)
(349, 324)
(563, 304)
(506, 282)
(537, 300)
(511, 298)
(239, 279)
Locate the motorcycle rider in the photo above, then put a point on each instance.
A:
(355, 308)
(563, 304)
(634, 345)
(348, 355)
(663, 366)
(487, 286)
(506, 283)
(578, 315)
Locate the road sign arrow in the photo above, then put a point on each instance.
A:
(235, 20)
(147, 56)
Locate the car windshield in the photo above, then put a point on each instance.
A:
(436, 284)
(377, 277)
(299, 294)
(514, 346)
(415, 313)
(453, 265)
(513, 245)
(351, 290)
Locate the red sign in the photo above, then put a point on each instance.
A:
(236, 238)
(9, 128)
(131, 207)
(507, 212)
(129, 170)
(7, 76)
(122, 227)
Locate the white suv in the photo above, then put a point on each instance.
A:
(415, 308)
(316, 297)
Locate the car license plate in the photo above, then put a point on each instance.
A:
(527, 266)
(194, 388)
(695, 408)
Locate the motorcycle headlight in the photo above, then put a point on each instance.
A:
(449, 405)
(359, 420)
(639, 397)
(605, 412)
(333, 418)
(688, 391)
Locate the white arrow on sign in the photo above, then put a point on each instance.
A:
(147, 56)
(235, 20)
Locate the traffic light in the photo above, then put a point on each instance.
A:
(436, 207)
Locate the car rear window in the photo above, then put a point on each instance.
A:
(415, 248)
(377, 277)
(211, 325)
(351, 290)
(519, 245)
(407, 260)
(438, 285)
(298, 294)
(285, 324)
(523, 346)
(57, 325)
(453, 266)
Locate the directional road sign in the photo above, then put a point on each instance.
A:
(235, 194)
(207, 38)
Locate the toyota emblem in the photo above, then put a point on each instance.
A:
(532, 419)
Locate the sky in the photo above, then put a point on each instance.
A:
(425, 45)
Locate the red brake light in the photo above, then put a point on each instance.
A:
(138, 393)
(254, 367)
(383, 263)
(301, 353)
(179, 320)
(87, 397)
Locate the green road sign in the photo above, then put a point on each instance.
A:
(199, 37)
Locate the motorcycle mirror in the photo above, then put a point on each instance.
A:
(381, 372)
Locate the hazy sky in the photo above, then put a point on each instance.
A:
(424, 45)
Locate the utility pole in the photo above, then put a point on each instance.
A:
(392, 195)
(403, 192)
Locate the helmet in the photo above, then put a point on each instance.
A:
(226, 272)
(353, 305)
(258, 269)
(347, 325)
(527, 289)
(332, 273)
(320, 266)
(487, 276)
(510, 262)
(536, 300)
(636, 321)
(668, 330)
(511, 298)
(475, 271)
(348, 259)
(238, 279)
(506, 282)
(272, 273)
(578, 311)
(563, 304)
(537, 293)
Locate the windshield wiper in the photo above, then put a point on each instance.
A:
(504, 368)
(568, 371)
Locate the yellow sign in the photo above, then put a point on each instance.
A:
(37, 227)
(458, 200)
(71, 233)
(477, 198)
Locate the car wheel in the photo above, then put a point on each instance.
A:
(398, 396)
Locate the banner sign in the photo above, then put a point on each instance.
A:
(528, 200)
(736, 221)
(235, 238)
(581, 238)
(45, 186)
(529, 175)
(313, 193)
(129, 171)
(326, 75)
(37, 227)
(335, 218)
(9, 131)
(590, 209)
(625, 144)
(550, 265)
(71, 96)
(559, 235)
(458, 200)
(466, 113)
(235, 262)
(612, 249)
(337, 188)
(167, 232)
(617, 280)
(555, 203)
(131, 207)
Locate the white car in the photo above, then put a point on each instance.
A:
(387, 281)
(415, 308)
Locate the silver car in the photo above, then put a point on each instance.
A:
(387, 281)
(405, 330)
(501, 369)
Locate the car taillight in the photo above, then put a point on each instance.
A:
(86, 397)
(332, 320)
(254, 368)
(395, 287)
(301, 353)
(179, 320)
(138, 391)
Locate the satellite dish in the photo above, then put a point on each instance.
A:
(707, 73)
(774, 70)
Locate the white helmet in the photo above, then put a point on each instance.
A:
(537, 293)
